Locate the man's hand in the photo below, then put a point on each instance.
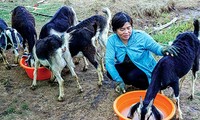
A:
(170, 50)
(120, 87)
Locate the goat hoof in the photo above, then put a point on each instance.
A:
(8, 67)
(99, 84)
(60, 99)
(85, 69)
(33, 87)
(80, 91)
(190, 97)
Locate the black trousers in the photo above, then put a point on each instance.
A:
(132, 75)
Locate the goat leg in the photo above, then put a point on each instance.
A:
(85, 68)
(78, 84)
(175, 87)
(76, 78)
(7, 65)
(52, 78)
(16, 60)
(34, 84)
(180, 116)
(100, 75)
(194, 78)
(61, 85)
(71, 66)
(102, 65)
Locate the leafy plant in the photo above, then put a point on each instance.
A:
(24, 106)
(13, 108)
(10, 110)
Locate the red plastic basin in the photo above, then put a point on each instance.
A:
(42, 74)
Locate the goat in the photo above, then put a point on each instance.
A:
(64, 18)
(53, 52)
(168, 71)
(83, 37)
(24, 22)
(100, 37)
(196, 32)
(9, 38)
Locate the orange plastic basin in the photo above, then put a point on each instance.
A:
(122, 104)
(42, 73)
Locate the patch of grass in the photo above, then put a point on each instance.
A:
(169, 34)
(10, 110)
(45, 9)
(164, 18)
(14, 108)
(24, 106)
(6, 16)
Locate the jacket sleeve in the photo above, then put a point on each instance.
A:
(152, 45)
(110, 61)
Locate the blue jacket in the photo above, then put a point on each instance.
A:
(139, 48)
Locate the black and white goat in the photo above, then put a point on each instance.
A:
(64, 18)
(52, 48)
(53, 52)
(24, 22)
(168, 71)
(83, 39)
(9, 38)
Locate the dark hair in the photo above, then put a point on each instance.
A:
(119, 19)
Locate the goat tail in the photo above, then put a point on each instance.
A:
(108, 13)
(196, 27)
(102, 37)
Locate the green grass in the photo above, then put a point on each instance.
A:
(16, 107)
(24, 106)
(169, 34)
(10, 110)
(46, 9)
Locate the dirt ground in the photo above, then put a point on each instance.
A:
(19, 102)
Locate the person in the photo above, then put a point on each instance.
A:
(128, 58)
